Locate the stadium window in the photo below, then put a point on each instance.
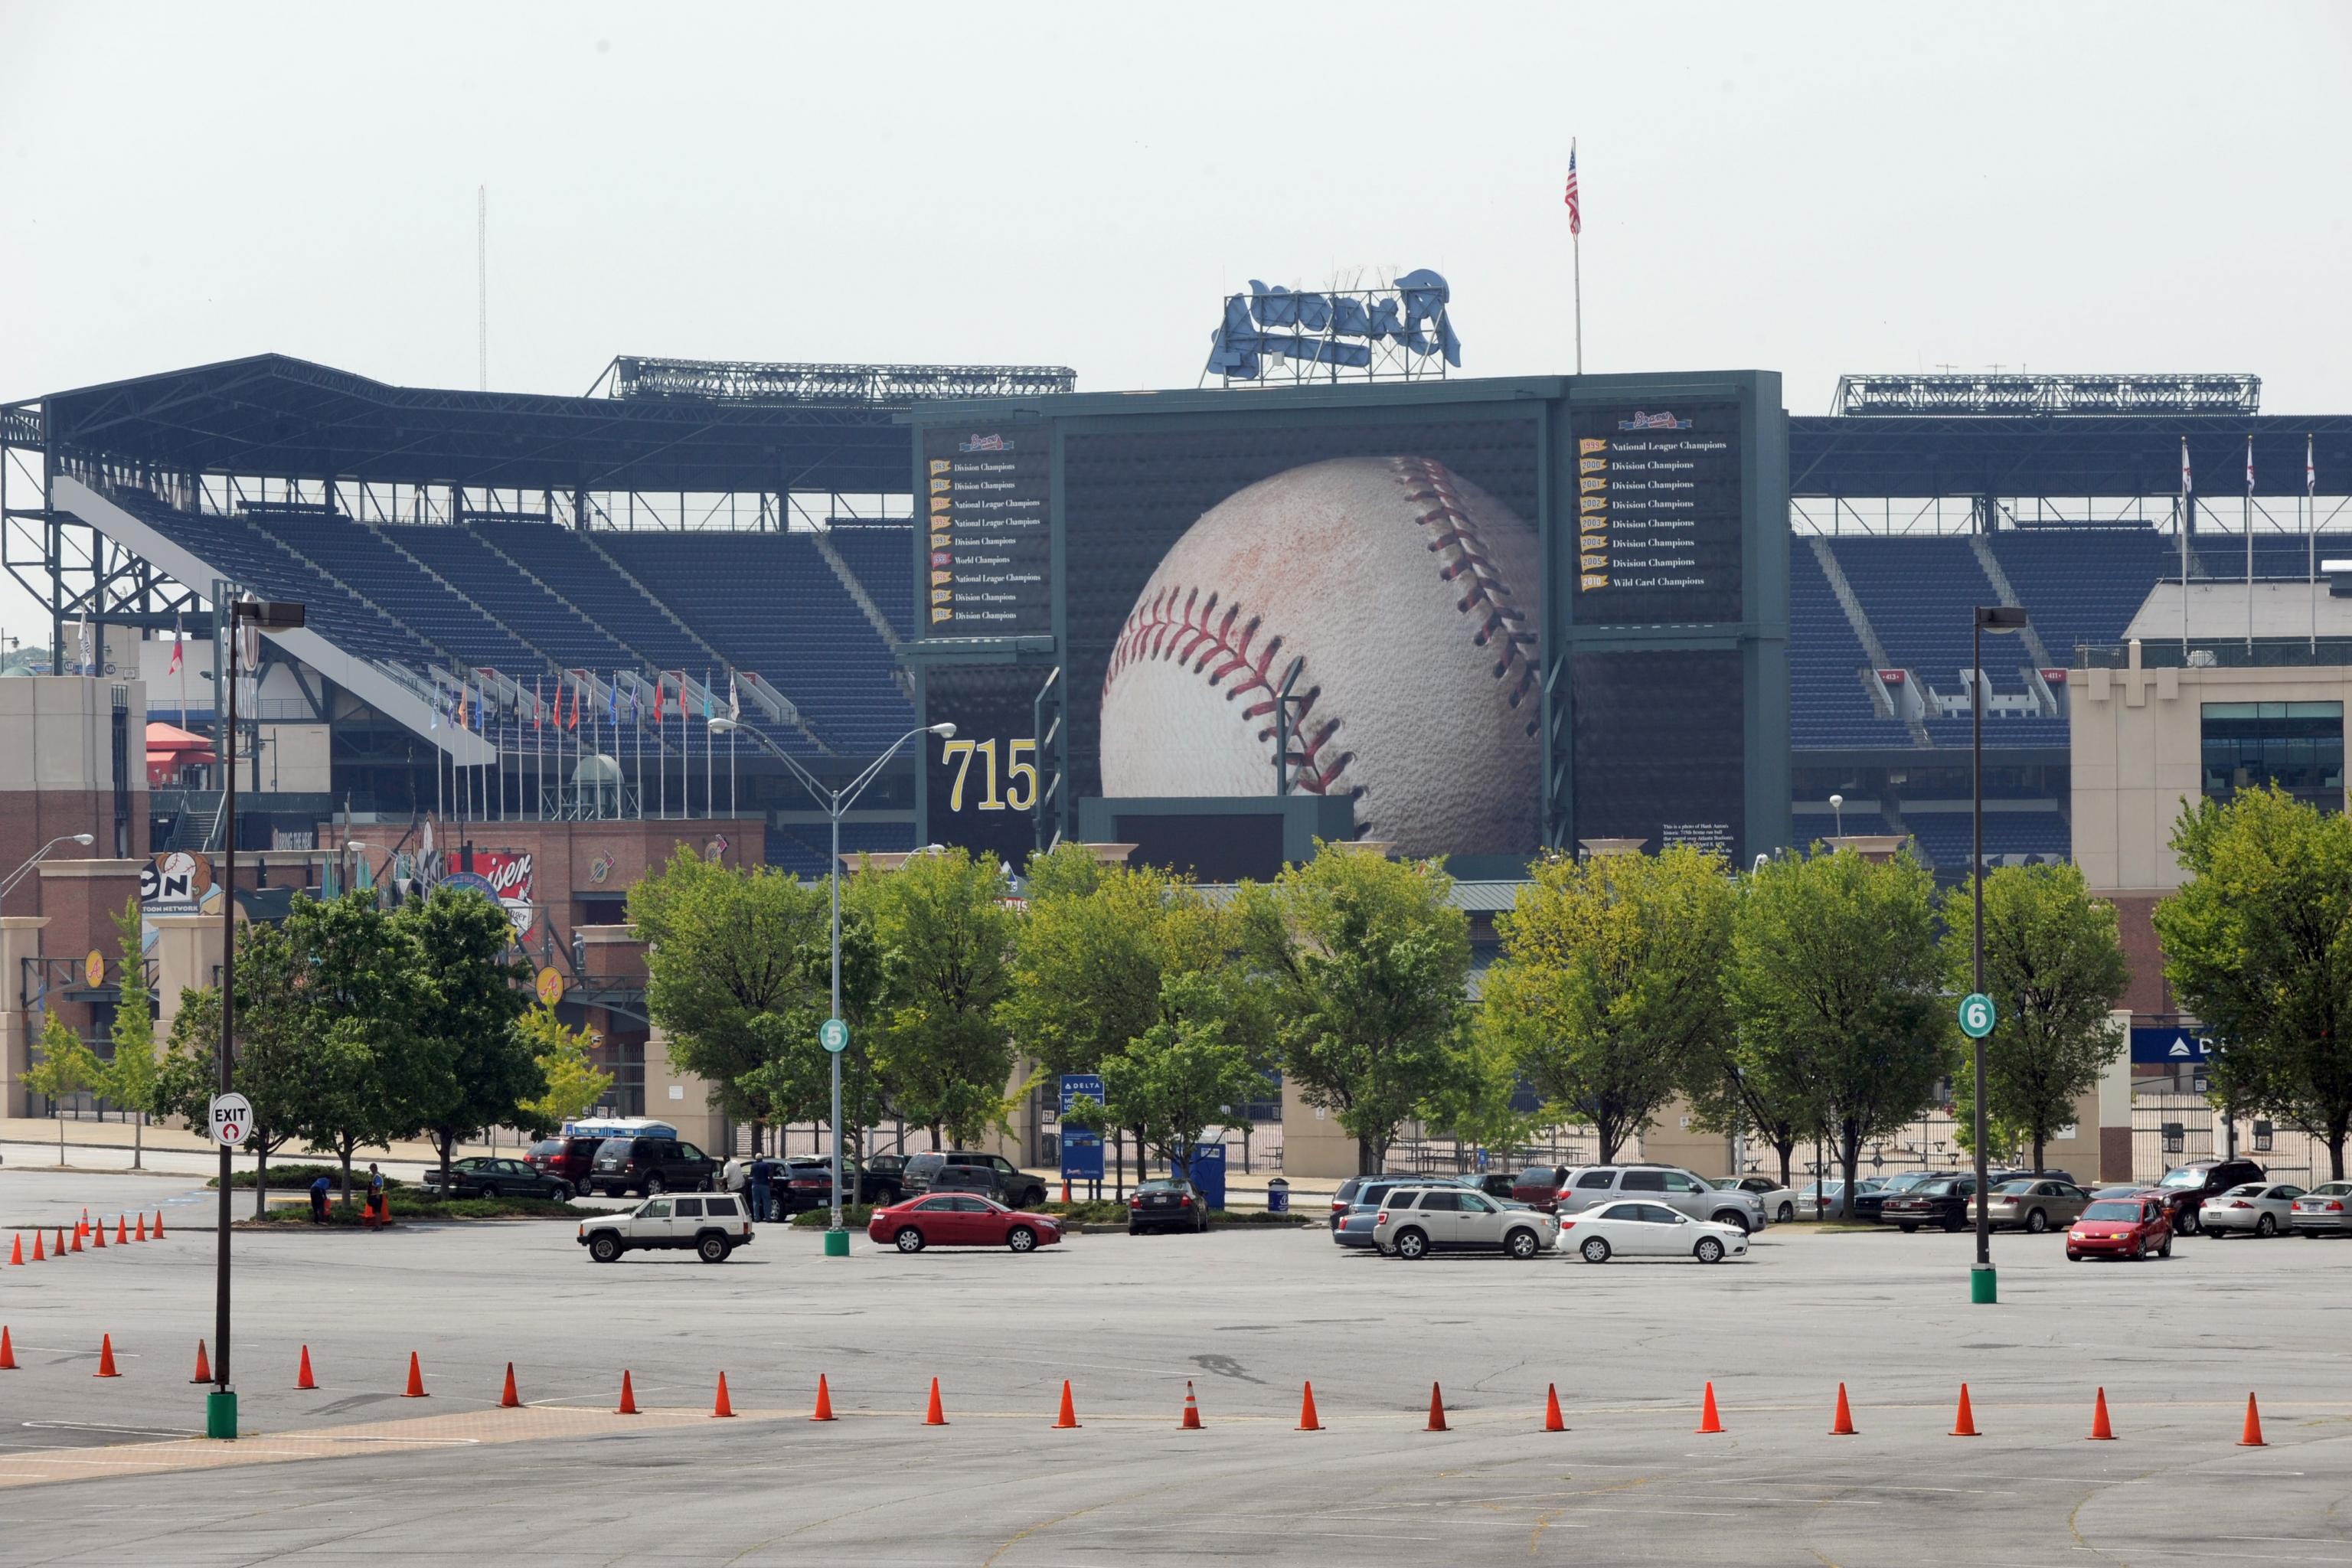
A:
(2298, 746)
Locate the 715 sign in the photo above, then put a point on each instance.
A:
(1020, 765)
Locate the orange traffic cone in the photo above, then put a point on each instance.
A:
(1436, 1411)
(510, 1400)
(204, 1367)
(628, 1396)
(38, 1255)
(2100, 1431)
(1068, 1418)
(1842, 1426)
(121, 1231)
(1552, 1423)
(1306, 1421)
(2253, 1435)
(1192, 1422)
(17, 1250)
(722, 1407)
(141, 1233)
(416, 1389)
(159, 1225)
(823, 1401)
(1964, 1425)
(60, 1248)
(85, 1218)
(77, 1238)
(935, 1416)
(303, 1379)
(98, 1236)
(8, 1350)
(106, 1357)
(1707, 1419)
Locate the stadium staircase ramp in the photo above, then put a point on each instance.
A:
(1881, 701)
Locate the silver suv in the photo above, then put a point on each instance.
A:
(1413, 1222)
(1670, 1184)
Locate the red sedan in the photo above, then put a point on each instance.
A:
(960, 1219)
(2121, 1227)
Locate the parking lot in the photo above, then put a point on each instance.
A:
(1246, 1316)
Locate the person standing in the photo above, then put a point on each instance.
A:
(318, 1190)
(763, 1188)
(375, 1200)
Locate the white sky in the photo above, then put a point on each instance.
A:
(1813, 189)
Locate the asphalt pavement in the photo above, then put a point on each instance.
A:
(1246, 1317)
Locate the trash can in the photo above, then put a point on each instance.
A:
(1278, 1197)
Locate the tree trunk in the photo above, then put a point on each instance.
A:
(262, 1143)
(1849, 1164)
(444, 1141)
(1142, 1158)
(1788, 1152)
(2335, 1130)
(1368, 1158)
(138, 1128)
(346, 1175)
(2038, 1149)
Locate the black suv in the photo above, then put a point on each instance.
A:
(2186, 1188)
(992, 1176)
(650, 1165)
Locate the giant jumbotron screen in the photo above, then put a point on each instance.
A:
(1474, 619)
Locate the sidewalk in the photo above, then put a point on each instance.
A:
(175, 1150)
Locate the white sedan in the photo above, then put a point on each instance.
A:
(1780, 1203)
(1631, 1229)
(2257, 1208)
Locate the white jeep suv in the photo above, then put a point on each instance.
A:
(713, 1226)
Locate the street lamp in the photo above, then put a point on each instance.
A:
(248, 617)
(1837, 805)
(17, 875)
(1983, 1284)
(836, 804)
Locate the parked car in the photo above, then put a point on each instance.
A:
(571, 1157)
(1868, 1200)
(1165, 1203)
(712, 1227)
(960, 1219)
(1005, 1181)
(480, 1176)
(2186, 1188)
(1415, 1221)
(1354, 1228)
(2033, 1204)
(1497, 1184)
(1677, 1189)
(2326, 1210)
(1780, 1203)
(2258, 1208)
(1538, 1185)
(1833, 1196)
(651, 1165)
(1649, 1230)
(884, 1179)
(1939, 1200)
(2122, 1227)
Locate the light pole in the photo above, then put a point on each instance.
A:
(1837, 805)
(1983, 1284)
(837, 805)
(259, 616)
(17, 875)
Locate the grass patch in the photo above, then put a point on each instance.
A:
(298, 1178)
(1104, 1212)
(411, 1206)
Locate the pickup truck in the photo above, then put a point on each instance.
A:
(712, 1225)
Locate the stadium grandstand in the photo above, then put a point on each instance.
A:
(533, 607)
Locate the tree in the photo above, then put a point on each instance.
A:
(2053, 965)
(1609, 983)
(944, 936)
(1363, 959)
(728, 961)
(1834, 980)
(1475, 1103)
(472, 1069)
(574, 1083)
(1179, 1076)
(129, 1079)
(1733, 1094)
(2258, 944)
(67, 1068)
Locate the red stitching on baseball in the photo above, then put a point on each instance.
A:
(1486, 597)
(1181, 624)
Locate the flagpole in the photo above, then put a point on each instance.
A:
(2187, 511)
(2310, 534)
(2249, 545)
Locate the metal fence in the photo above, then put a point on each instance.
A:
(2169, 1130)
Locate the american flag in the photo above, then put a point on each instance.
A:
(1575, 210)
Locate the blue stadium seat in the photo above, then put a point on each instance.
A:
(1829, 707)
(367, 562)
(881, 556)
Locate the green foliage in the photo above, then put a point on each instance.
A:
(945, 938)
(2053, 965)
(1362, 962)
(2258, 945)
(66, 1065)
(1609, 989)
(574, 1083)
(1202, 1054)
(469, 1070)
(1473, 1104)
(728, 956)
(1836, 983)
(129, 1079)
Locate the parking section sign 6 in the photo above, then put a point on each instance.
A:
(232, 1118)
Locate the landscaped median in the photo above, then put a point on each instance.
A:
(289, 1191)
(1104, 1213)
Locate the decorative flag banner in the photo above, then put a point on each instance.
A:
(537, 705)
(1575, 202)
(2249, 467)
(706, 697)
(734, 700)
(612, 702)
(178, 648)
(2186, 488)
(2310, 474)
(575, 707)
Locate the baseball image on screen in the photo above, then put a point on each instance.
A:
(1398, 602)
